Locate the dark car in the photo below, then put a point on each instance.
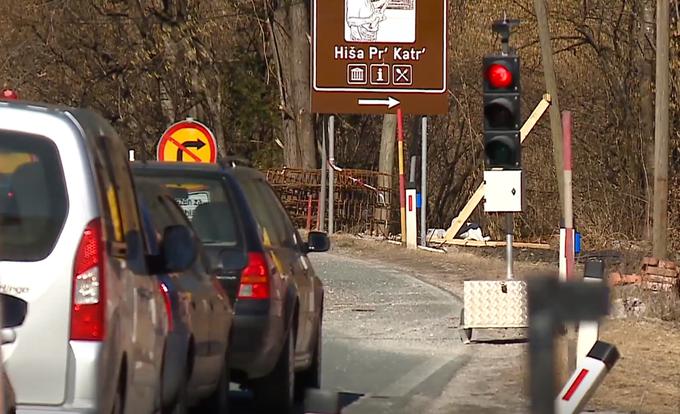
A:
(262, 262)
(195, 363)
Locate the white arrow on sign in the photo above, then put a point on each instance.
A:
(390, 102)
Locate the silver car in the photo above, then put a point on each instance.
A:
(71, 246)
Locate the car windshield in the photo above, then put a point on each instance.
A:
(204, 201)
(33, 200)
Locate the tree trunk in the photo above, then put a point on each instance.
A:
(281, 45)
(386, 166)
(291, 49)
(298, 16)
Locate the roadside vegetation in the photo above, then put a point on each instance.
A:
(240, 66)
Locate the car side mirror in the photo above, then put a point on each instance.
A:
(318, 241)
(178, 249)
(13, 311)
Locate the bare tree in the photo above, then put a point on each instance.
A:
(290, 39)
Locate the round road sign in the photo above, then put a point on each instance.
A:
(187, 141)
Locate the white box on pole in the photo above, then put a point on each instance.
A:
(411, 219)
(504, 191)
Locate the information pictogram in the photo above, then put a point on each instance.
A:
(187, 141)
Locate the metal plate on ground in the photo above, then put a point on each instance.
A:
(495, 304)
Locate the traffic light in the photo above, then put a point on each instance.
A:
(502, 120)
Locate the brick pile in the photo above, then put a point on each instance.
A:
(659, 275)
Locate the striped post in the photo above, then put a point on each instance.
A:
(568, 201)
(402, 180)
(571, 334)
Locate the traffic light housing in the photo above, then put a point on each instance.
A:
(502, 118)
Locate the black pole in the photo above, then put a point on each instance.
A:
(541, 344)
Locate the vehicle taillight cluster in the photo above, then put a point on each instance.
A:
(88, 299)
(255, 278)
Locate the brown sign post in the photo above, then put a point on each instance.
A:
(374, 56)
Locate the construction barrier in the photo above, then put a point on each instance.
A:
(362, 202)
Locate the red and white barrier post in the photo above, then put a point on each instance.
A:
(588, 376)
(411, 217)
(567, 233)
(589, 331)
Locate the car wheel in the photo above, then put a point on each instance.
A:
(275, 393)
(311, 377)
(218, 401)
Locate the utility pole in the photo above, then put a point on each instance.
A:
(646, 68)
(423, 182)
(562, 343)
(321, 224)
(551, 87)
(661, 130)
(331, 175)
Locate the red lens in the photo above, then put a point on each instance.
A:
(9, 94)
(167, 303)
(499, 76)
(88, 297)
(255, 278)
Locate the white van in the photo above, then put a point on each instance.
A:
(71, 246)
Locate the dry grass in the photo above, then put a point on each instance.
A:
(647, 377)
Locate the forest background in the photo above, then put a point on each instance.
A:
(242, 68)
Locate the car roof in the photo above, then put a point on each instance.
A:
(38, 107)
(87, 119)
(223, 167)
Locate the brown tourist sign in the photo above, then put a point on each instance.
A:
(374, 56)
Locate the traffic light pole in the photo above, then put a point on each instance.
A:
(509, 227)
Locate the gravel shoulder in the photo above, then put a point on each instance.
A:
(645, 380)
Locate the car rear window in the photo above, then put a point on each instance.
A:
(204, 201)
(33, 199)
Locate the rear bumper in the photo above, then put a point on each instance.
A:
(258, 337)
(81, 388)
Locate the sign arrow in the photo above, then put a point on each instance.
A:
(390, 102)
(198, 144)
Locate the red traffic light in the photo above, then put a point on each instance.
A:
(499, 76)
(9, 94)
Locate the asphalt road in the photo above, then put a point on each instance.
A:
(388, 337)
(390, 341)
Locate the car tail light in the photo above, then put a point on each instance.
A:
(255, 278)
(9, 94)
(88, 299)
(168, 304)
